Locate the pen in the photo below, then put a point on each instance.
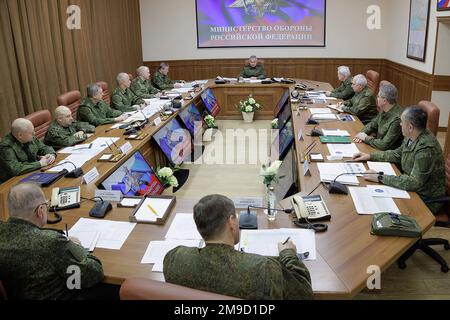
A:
(286, 241)
(90, 145)
(67, 232)
(151, 209)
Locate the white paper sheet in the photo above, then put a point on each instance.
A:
(77, 159)
(384, 167)
(183, 228)
(344, 150)
(329, 172)
(88, 238)
(319, 111)
(335, 107)
(130, 202)
(152, 209)
(366, 204)
(113, 234)
(336, 133)
(387, 192)
(324, 116)
(265, 242)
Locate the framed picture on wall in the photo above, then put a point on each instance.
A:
(419, 15)
(443, 5)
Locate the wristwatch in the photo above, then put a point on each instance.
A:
(380, 178)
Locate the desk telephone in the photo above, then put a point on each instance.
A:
(64, 199)
(312, 208)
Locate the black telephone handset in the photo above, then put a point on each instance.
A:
(310, 209)
(301, 86)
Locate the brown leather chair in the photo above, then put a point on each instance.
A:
(3, 295)
(146, 289)
(433, 113)
(72, 100)
(41, 121)
(106, 96)
(373, 81)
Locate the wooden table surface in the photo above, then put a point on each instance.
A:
(344, 252)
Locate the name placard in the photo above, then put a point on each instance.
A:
(245, 202)
(306, 171)
(127, 147)
(157, 121)
(90, 176)
(109, 195)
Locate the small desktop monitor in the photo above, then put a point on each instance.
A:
(281, 103)
(282, 143)
(210, 102)
(193, 120)
(175, 142)
(285, 114)
(134, 178)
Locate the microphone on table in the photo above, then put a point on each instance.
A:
(249, 220)
(75, 173)
(339, 188)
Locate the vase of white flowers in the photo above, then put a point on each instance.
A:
(166, 177)
(248, 108)
(270, 174)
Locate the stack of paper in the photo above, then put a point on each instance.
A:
(335, 107)
(72, 161)
(88, 238)
(319, 111)
(183, 228)
(366, 204)
(113, 234)
(324, 116)
(265, 242)
(343, 150)
(329, 172)
(384, 167)
(387, 192)
(157, 250)
(152, 209)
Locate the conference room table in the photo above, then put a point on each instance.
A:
(345, 252)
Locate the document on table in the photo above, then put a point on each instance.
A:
(324, 116)
(157, 250)
(113, 234)
(182, 90)
(152, 209)
(88, 238)
(329, 172)
(344, 150)
(183, 228)
(336, 133)
(265, 242)
(319, 111)
(335, 107)
(366, 204)
(95, 147)
(384, 167)
(379, 191)
(72, 161)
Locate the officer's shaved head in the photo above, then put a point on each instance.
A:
(62, 111)
(21, 125)
(211, 214)
(142, 70)
(23, 199)
(122, 77)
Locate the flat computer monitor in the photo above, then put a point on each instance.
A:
(193, 120)
(282, 143)
(281, 103)
(134, 178)
(285, 114)
(210, 102)
(175, 142)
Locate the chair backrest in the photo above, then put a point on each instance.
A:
(3, 295)
(72, 100)
(373, 81)
(131, 76)
(433, 115)
(106, 96)
(41, 121)
(146, 289)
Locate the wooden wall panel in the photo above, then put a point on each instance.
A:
(441, 83)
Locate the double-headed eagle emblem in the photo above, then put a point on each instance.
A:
(256, 7)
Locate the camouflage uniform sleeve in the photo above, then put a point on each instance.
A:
(302, 288)
(159, 83)
(343, 92)
(262, 73)
(12, 165)
(61, 139)
(153, 91)
(135, 99)
(72, 255)
(423, 165)
(361, 107)
(140, 91)
(393, 156)
(112, 113)
(44, 149)
(242, 74)
(389, 139)
(372, 126)
(117, 103)
(84, 126)
(85, 114)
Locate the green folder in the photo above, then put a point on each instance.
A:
(333, 139)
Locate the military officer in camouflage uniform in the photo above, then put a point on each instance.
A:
(34, 262)
(162, 81)
(123, 98)
(345, 90)
(141, 85)
(253, 70)
(219, 268)
(95, 111)
(64, 132)
(21, 152)
(419, 157)
(384, 131)
(363, 104)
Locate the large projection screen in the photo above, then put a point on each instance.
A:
(260, 23)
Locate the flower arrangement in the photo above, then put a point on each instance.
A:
(275, 123)
(165, 175)
(210, 121)
(269, 173)
(249, 105)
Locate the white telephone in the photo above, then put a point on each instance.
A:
(312, 208)
(67, 198)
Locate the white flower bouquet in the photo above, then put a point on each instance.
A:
(269, 173)
(249, 105)
(165, 175)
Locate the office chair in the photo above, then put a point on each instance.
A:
(425, 244)
(433, 113)
(72, 100)
(41, 121)
(373, 81)
(147, 289)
